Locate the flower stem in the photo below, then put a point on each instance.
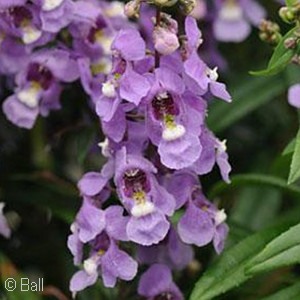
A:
(158, 19)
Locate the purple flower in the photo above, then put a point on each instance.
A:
(4, 228)
(201, 79)
(13, 54)
(55, 14)
(169, 122)
(90, 221)
(93, 183)
(165, 35)
(214, 152)
(107, 260)
(147, 202)
(157, 283)
(129, 45)
(171, 252)
(92, 32)
(198, 76)
(181, 184)
(22, 21)
(123, 83)
(234, 19)
(38, 86)
(101, 229)
(294, 95)
(202, 223)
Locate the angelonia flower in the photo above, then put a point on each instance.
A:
(41, 72)
(151, 91)
(234, 19)
(149, 106)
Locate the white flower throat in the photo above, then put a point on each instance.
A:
(231, 11)
(165, 110)
(51, 4)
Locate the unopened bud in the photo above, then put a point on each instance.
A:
(287, 14)
(290, 43)
(269, 32)
(132, 9)
(187, 6)
(165, 35)
(200, 10)
(165, 41)
(167, 3)
(296, 59)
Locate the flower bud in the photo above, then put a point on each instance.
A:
(296, 60)
(165, 35)
(200, 10)
(290, 43)
(132, 9)
(165, 41)
(187, 6)
(167, 3)
(287, 14)
(269, 32)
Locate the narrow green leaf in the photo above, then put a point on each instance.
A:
(290, 148)
(280, 59)
(247, 96)
(255, 179)
(289, 257)
(229, 270)
(46, 191)
(295, 166)
(283, 242)
(252, 213)
(289, 293)
(282, 251)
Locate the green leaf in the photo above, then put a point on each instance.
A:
(255, 179)
(252, 213)
(289, 293)
(295, 166)
(282, 251)
(280, 59)
(291, 2)
(289, 257)
(44, 190)
(228, 271)
(247, 96)
(290, 148)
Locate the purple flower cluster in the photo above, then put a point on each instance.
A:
(150, 90)
(153, 114)
(46, 44)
